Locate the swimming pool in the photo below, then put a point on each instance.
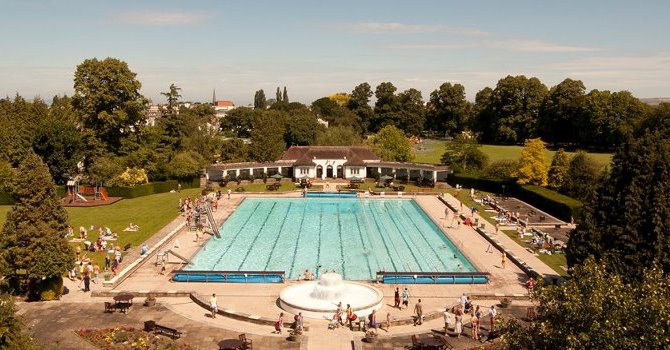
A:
(354, 237)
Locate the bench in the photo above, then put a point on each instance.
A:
(109, 307)
(151, 326)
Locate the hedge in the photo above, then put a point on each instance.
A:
(554, 203)
(125, 192)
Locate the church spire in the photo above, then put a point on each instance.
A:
(213, 96)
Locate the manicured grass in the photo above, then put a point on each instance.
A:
(464, 196)
(430, 151)
(555, 261)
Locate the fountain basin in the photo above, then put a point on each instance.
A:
(319, 299)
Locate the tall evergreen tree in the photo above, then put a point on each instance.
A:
(627, 223)
(259, 100)
(278, 95)
(285, 96)
(32, 239)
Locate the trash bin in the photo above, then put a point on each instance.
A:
(149, 326)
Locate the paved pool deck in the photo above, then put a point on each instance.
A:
(261, 299)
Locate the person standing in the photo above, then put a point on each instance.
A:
(405, 298)
(504, 259)
(418, 309)
(458, 327)
(396, 298)
(492, 317)
(351, 316)
(228, 193)
(447, 320)
(213, 307)
(530, 285)
(87, 280)
(298, 321)
(372, 320)
(474, 322)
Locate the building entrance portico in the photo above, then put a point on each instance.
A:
(329, 171)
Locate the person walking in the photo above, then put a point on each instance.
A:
(504, 259)
(396, 298)
(279, 324)
(213, 307)
(405, 298)
(87, 280)
(447, 320)
(492, 317)
(418, 309)
(229, 193)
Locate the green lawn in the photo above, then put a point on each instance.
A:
(555, 261)
(431, 151)
(151, 213)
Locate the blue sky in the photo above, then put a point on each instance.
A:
(319, 48)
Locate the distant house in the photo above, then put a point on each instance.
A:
(221, 108)
(152, 113)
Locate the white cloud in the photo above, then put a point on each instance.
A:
(538, 46)
(402, 28)
(159, 19)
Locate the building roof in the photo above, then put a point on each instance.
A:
(224, 104)
(304, 160)
(360, 153)
(354, 160)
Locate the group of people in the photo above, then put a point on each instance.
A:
(464, 309)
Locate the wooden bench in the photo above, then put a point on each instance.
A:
(151, 326)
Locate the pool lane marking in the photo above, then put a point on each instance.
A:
(238, 232)
(418, 230)
(318, 245)
(278, 235)
(374, 244)
(339, 230)
(401, 234)
(260, 230)
(297, 241)
(386, 246)
(360, 234)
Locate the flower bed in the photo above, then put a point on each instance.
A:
(127, 338)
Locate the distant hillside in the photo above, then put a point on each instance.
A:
(655, 101)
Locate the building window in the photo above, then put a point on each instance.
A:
(304, 171)
(354, 171)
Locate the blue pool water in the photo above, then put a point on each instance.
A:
(355, 237)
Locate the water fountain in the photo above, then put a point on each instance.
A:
(319, 299)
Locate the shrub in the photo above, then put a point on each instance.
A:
(143, 190)
(51, 288)
(47, 295)
(501, 169)
(554, 203)
(131, 177)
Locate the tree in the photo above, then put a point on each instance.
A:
(626, 225)
(6, 176)
(239, 121)
(339, 136)
(186, 166)
(171, 121)
(267, 139)
(329, 110)
(259, 100)
(462, 154)
(234, 151)
(359, 103)
(593, 309)
(341, 98)
(387, 107)
(12, 329)
(581, 177)
(104, 169)
(278, 95)
(558, 169)
(483, 115)
(515, 106)
(412, 114)
(532, 165)
(172, 97)
(609, 118)
(107, 96)
(60, 144)
(285, 96)
(32, 238)
(301, 129)
(18, 120)
(391, 144)
(448, 109)
(504, 169)
(562, 111)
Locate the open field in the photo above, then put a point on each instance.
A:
(430, 151)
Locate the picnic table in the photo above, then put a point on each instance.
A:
(123, 301)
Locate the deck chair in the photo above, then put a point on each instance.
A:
(248, 343)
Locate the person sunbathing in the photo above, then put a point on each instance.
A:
(131, 228)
